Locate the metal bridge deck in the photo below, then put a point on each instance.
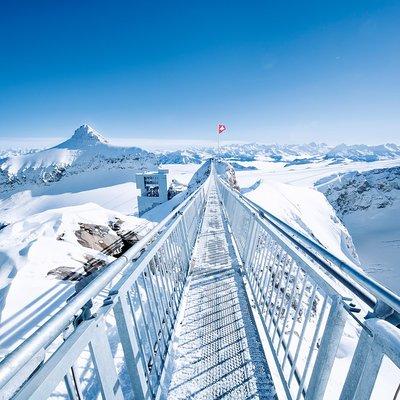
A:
(217, 352)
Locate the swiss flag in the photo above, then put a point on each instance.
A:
(221, 128)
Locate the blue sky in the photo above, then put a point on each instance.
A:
(272, 71)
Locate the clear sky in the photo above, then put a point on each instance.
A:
(273, 71)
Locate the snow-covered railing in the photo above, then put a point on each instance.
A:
(305, 308)
(118, 351)
(367, 289)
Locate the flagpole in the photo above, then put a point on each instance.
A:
(218, 140)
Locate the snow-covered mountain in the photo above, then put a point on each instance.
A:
(51, 164)
(362, 152)
(188, 156)
(5, 153)
(85, 151)
(355, 191)
(368, 203)
(246, 152)
(273, 152)
(292, 154)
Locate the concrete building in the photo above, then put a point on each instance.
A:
(153, 189)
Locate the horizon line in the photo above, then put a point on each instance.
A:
(154, 144)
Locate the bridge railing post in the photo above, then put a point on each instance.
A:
(250, 244)
(103, 360)
(130, 347)
(379, 338)
(327, 352)
(369, 374)
(185, 239)
(353, 377)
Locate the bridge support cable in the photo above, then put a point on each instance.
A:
(306, 311)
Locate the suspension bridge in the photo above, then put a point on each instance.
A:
(221, 300)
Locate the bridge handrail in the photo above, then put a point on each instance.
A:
(55, 326)
(303, 313)
(363, 285)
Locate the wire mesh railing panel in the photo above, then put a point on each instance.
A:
(302, 310)
(119, 349)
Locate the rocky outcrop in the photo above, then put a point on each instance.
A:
(354, 191)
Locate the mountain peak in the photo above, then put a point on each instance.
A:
(83, 137)
(86, 134)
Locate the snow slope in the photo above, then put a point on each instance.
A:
(36, 252)
(371, 220)
(367, 228)
(181, 172)
(115, 190)
(305, 174)
(369, 205)
(39, 237)
(307, 211)
(85, 151)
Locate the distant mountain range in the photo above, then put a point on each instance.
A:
(5, 153)
(292, 154)
(87, 150)
(245, 152)
(362, 152)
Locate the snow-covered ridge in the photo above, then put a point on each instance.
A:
(362, 152)
(246, 152)
(86, 150)
(86, 138)
(354, 191)
(292, 154)
(223, 168)
(5, 153)
(187, 156)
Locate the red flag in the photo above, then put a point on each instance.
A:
(221, 128)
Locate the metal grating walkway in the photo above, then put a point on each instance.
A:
(217, 352)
